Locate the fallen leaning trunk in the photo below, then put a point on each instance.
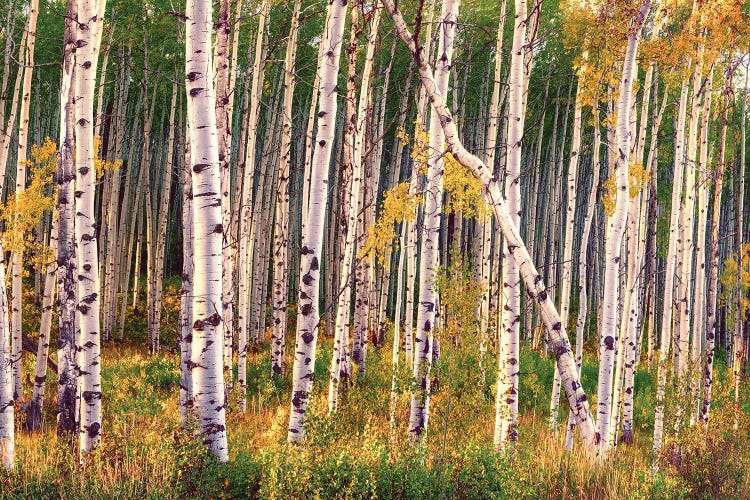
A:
(535, 287)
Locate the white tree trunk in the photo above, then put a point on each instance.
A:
(7, 408)
(17, 256)
(428, 266)
(506, 399)
(206, 357)
(281, 224)
(87, 311)
(312, 234)
(246, 243)
(616, 228)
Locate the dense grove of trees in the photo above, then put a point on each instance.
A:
(313, 170)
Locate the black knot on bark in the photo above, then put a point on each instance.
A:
(93, 429)
(609, 342)
(219, 229)
(307, 337)
(214, 319)
(542, 296)
(314, 266)
(306, 309)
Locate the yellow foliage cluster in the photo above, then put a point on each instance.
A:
(639, 177)
(420, 153)
(100, 164)
(466, 191)
(398, 206)
(729, 281)
(22, 212)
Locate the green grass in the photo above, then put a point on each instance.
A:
(145, 452)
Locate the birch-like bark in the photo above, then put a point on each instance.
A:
(206, 356)
(616, 228)
(245, 255)
(87, 309)
(738, 350)
(428, 266)
(312, 234)
(17, 253)
(669, 277)
(185, 326)
(687, 247)
(699, 291)
(34, 421)
(281, 224)
(583, 263)
(350, 189)
(506, 398)
(67, 418)
(224, 135)
(536, 289)
(490, 146)
(713, 277)
(567, 268)
(7, 407)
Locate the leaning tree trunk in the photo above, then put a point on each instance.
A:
(87, 257)
(536, 289)
(206, 356)
(312, 233)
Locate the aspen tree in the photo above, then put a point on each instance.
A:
(224, 134)
(616, 228)
(281, 224)
(490, 146)
(506, 398)
(312, 234)
(7, 408)
(713, 274)
(583, 262)
(206, 355)
(423, 340)
(738, 347)
(185, 331)
(559, 341)
(36, 403)
(87, 309)
(699, 292)
(67, 418)
(245, 255)
(161, 222)
(17, 253)
(351, 187)
(687, 247)
(566, 278)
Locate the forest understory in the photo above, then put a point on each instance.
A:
(374, 249)
(147, 453)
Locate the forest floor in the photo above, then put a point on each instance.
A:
(354, 454)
